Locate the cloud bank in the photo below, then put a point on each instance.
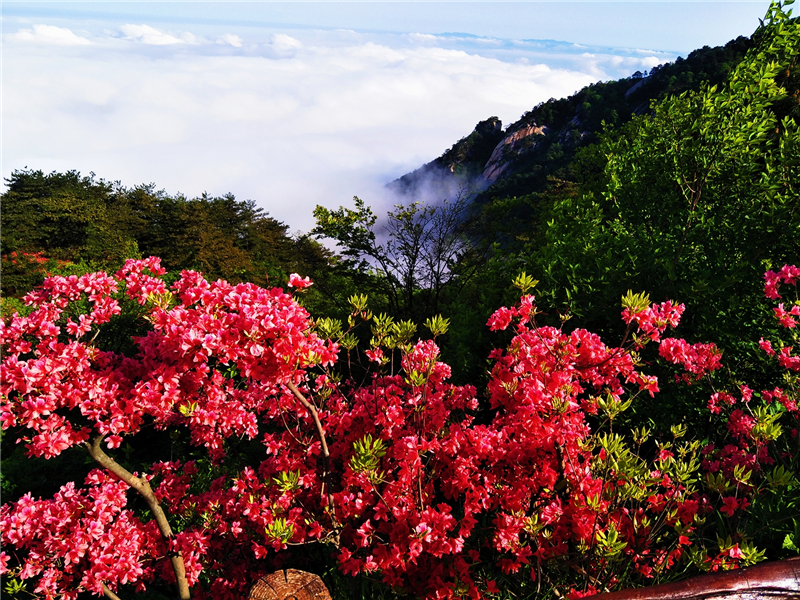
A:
(289, 118)
(50, 34)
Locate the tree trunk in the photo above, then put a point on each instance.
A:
(289, 585)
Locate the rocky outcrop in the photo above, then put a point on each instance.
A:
(514, 142)
(459, 167)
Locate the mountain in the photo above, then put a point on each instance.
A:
(493, 162)
(462, 165)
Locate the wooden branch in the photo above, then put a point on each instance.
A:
(778, 580)
(109, 594)
(326, 457)
(314, 415)
(141, 485)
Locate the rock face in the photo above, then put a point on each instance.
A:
(474, 162)
(460, 166)
(514, 142)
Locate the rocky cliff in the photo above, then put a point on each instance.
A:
(461, 166)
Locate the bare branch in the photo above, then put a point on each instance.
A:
(141, 485)
(323, 441)
(109, 594)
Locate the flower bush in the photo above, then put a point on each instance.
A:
(439, 491)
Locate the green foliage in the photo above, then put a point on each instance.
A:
(691, 202)
(525, 282)
(437, 325)
(288, 481)
(68, 213)
(635, 302)
(367, 454)
(280, 530)
(69, 224)
(575, 122)
(51, 220)
(351, 228)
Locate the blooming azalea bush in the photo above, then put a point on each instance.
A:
(439, 491)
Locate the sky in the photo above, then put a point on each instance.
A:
(304, 103)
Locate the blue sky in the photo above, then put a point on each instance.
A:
(305, 103)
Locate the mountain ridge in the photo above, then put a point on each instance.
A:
(544, 140)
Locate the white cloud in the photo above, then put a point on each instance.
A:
(189, 37)
(152, 36)
(283, 46)
(651, 61)
(423, 38)
(50, 34)
(230, 38)
(601, 64)
(290, 122)
(281, 40)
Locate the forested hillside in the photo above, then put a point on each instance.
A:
(70, 223)
(576, 371)
(519, 159)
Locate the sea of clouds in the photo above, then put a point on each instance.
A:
(288, 118)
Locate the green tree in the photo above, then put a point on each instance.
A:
(64, 214)
(60, 216)
(422, 255)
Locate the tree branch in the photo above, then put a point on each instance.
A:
(323, 441)
(109, 594)
(141, 485)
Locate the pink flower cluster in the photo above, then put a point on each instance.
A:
(697, 359)
(261, 334)
(397, 472)
(747, 450)
(82, 539)
(788, 274)
(655, 319)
